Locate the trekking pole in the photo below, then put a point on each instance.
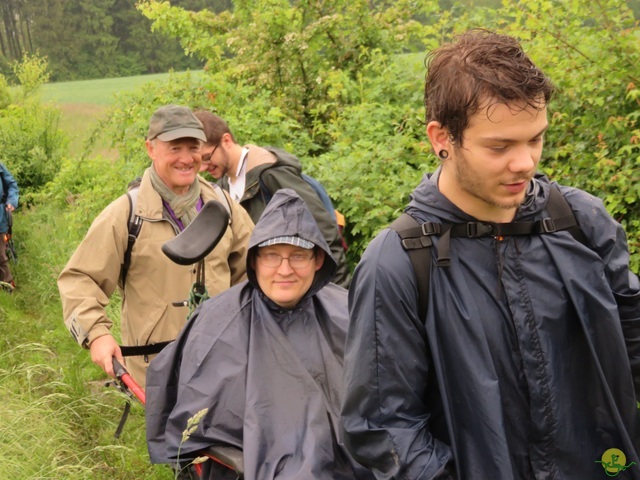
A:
(125, 377)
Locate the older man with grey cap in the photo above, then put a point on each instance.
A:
(169, 196)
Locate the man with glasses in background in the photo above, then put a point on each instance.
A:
(252, 174)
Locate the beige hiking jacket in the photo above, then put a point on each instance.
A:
(153, 281)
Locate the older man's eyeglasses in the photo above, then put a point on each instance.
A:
(297, 260)
(207, 157)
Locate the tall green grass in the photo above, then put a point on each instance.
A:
(57, 419)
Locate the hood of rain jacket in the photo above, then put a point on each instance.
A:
(525, 365)
(275, 169)
(270, 377)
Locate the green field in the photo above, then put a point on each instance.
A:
(96, 92)
(84, 102)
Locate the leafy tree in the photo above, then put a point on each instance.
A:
(15, 32)
(98, 38)
(56, 35)
(302, 51)
(140, 50)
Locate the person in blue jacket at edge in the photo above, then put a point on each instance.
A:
(526, 364)
(9, 193)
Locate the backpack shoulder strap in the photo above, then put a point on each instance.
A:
(322, 194)
(418, 246)
(133, 227)
(266, 194)
(224, 200)
(313, 182)
(562, 215)
(416, 239)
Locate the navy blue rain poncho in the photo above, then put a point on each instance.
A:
(271, 377)
(527, 365)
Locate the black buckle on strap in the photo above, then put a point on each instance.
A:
(416, 242)
(478, 229)
(430, 228)
(547, 225)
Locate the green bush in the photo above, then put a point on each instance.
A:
(31, 143)
(126, 124)
(324, 81)
(299, 52)
(378, 153)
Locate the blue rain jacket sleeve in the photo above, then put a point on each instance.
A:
(387, 370)
(608, 239)
(8, 187)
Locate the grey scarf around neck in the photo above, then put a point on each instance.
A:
(183, 206)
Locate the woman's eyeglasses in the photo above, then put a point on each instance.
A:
(297, 260)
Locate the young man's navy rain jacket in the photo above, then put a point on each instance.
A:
(527, 365)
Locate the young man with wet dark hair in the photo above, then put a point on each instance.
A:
(526, 362)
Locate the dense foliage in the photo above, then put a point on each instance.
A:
(593, 56)
(31, 144)
(335, 82)
(85, 39)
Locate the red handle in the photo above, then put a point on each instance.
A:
(123, 375)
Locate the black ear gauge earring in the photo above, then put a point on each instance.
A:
(443, 154)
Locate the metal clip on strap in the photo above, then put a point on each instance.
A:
(430, 228)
